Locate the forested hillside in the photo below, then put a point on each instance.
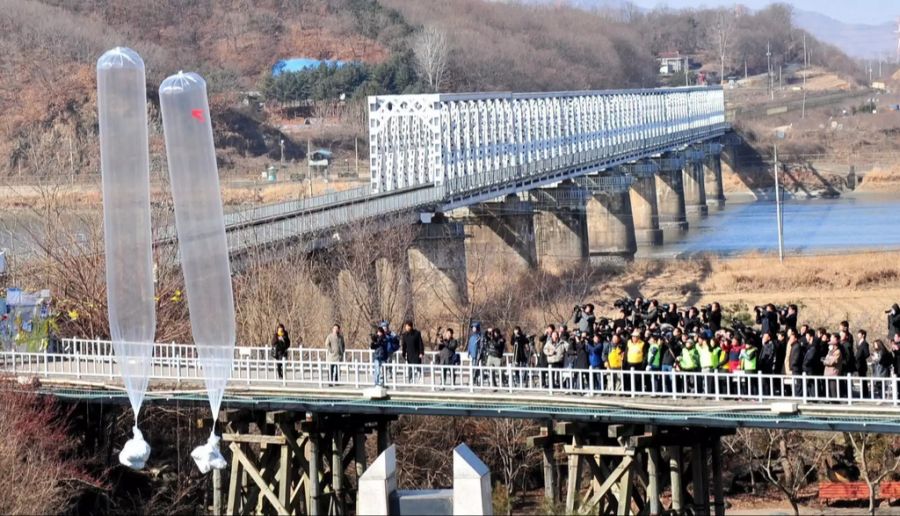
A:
(49, 47)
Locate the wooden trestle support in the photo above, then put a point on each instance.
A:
(293, 463)
(629, 467)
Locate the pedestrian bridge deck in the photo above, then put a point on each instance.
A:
(87, 370)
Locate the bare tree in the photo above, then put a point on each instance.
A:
(721, 31)
(790, 459)
(431, 50)
(877, 457)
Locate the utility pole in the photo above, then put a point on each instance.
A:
(769, 69)
(687, 81)
(779, 215)
(805, 66)
(308, 167)
(356, 146)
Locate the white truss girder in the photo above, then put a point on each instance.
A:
(422, 139)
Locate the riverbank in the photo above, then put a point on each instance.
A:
(857, 287)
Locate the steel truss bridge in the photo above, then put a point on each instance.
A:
(435, 153)
(87, 370)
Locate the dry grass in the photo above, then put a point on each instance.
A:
(856, 287)
(881, 179)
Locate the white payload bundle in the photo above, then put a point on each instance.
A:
(125, 167)
(203, 248)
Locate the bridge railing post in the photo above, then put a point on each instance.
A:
(894, 388)
(805, 387)
(849, 390)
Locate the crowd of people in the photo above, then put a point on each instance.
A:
(645, 335)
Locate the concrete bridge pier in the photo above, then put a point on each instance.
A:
(437, 265)
(712, 169)
(610, 223)
(670, 197)
(560, 226)
(644, 209)
(499, 236)
(694, 184)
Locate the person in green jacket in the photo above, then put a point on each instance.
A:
(748, 358)
(654, 362)
(689, 362)
(708, 352)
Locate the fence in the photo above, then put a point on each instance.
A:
(307, 368)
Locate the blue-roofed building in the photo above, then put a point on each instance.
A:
(298, 64)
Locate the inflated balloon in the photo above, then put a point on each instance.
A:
(125, 167)
(200, 224)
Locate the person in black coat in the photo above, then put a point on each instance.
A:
(281, 341)
(789, 320)
(520, 347)
(893, 321)
(411, 344)
(768, 320)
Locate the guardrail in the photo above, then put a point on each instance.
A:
(307, 368)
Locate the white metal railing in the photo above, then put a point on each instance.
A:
(307, 368)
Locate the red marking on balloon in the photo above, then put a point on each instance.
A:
(198, 114)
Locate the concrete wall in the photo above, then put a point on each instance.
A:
(561, 239)
(715, 191)
(500, 235)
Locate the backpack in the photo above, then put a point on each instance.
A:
(393, 344)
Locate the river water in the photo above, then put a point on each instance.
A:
(810, 227)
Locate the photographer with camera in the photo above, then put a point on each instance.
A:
(787, 317)
(496, 346)
(893, 321)
(767, 318)
(555, 351)
(380, 354)
(447, 355)
(584, 318)
(711, 316)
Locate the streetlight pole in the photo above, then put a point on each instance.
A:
(769, 70)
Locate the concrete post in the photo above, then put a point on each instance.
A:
(670, 196)
(712, 167)
(560, 227)
(694, 185)
(471, 483)
(437, 265)
(550, 480)
(377, 485)
(610, 224)
(645, 212)
(384, 435)
(337, 472)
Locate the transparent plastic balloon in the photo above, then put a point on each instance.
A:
(200, 224)
(125, 167)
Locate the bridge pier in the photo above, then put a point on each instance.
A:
(624, 465)
(712, 169)
(694, 184)
(670, 196)
(644, 207)
(610, 223)
(437, 265)
(500, 236)
(560, 227)
(301, 465)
